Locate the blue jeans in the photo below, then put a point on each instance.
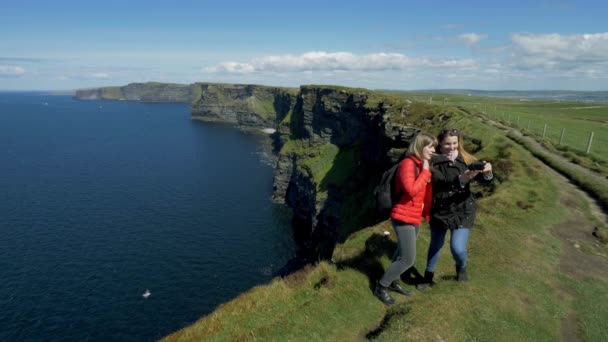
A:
(458, 245)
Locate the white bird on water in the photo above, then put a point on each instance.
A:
(146, 294)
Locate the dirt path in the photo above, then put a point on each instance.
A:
(582, 254)
(589, 173)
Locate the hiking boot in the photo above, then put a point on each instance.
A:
(426, 282)
(396, 287)
(461, 274)
(382, 293)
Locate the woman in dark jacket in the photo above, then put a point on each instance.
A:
(453, 205)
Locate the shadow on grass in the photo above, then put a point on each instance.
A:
(449, 277)
(394, 312)
(368, 262)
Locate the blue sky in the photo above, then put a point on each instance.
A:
(521, 45)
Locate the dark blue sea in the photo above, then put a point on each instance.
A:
(101, 201)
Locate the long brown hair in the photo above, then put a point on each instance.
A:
(420, 142)
(452, 132)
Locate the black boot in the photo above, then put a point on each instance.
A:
(395, 286)
(426, 282)
(461, 274)
(382, 293)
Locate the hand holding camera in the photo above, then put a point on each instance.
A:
(475, 168)
(477, 165)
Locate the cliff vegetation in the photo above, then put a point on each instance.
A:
(244, 105)
(334, 144)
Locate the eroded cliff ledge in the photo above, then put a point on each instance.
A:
(339, 142)
(243, 104)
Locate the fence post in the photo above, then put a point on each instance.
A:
(561, 137)
(589, 144)
(518, 121)
(544, 131)
(528, 125)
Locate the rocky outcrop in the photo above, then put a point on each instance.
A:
(146, 92)
(88, 94)
(340, 141)
(244, 105)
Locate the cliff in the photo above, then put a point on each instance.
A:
(244, 105)
(339, 142)
(333, 144)
(147, 92)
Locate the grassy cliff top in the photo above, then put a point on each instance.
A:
(335, 87)
(516, 290)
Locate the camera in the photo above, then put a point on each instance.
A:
(477, 165)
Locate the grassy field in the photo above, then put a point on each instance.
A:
(515, 293)
(578, 119)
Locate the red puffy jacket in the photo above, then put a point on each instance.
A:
(416, 193)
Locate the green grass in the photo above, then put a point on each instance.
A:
(285, 309)
(578, 119)
(195, 92)
(592, 309)
(156, 91)
(111, 93)
(262, 103)
(513, 264)
(592, 185)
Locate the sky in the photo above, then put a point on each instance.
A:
(408, 45)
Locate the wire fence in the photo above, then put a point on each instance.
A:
(586, 136)
(573, 137)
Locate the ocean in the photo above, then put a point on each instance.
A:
(105, 200)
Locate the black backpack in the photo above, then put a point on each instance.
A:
(385, 193)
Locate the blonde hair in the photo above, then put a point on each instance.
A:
(452, 132)
(420, 142)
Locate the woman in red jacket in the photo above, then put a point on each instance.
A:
(412, 182)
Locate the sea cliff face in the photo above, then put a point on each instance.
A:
(244, 105)
(147, 92)
(340, 141)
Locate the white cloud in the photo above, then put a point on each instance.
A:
(10, 70)
(555, 51)
(231, 67)
(336, 61)
(472, 38)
